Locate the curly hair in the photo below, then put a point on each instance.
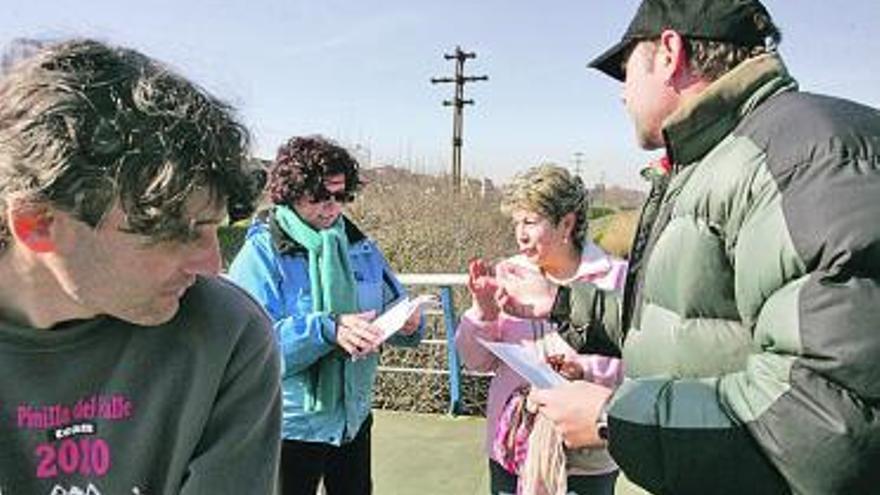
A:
(85, 125)
(711, 59)
(552, 192)
(302, 164)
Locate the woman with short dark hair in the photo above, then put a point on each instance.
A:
(322, 281)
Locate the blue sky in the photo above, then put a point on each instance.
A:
(359, 71)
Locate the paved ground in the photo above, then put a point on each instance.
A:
(430, 454)
(416, 454)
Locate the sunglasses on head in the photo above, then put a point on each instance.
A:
(324, 196)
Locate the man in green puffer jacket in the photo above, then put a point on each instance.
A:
(750, 324)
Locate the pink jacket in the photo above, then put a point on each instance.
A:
(596, 267)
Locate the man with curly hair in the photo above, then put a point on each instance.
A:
(128, 366)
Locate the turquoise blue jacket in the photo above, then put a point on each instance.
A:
(273, 268)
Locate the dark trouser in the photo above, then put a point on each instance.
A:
(504, 483)
(344, 469)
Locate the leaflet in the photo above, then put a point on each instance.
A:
(525, 363)
(395, 317)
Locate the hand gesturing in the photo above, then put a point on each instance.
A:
(483, 288)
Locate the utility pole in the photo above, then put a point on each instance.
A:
(578, 159)
(458, 103)
(600, 188)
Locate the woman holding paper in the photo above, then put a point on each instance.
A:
(548, 207)
(322, 282)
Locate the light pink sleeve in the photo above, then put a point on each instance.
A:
(473, 354)
(605, 370)
(602, 370)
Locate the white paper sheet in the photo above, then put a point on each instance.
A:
(525, 363)
(394, 318)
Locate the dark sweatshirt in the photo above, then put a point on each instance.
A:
(108, 407)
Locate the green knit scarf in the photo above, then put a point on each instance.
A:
(333, 290)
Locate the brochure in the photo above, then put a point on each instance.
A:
(394, 318)
(525, 363)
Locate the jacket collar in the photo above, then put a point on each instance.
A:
(284, 244)
(594, 263)
(702, 122)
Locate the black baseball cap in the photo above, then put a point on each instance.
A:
(743, 22)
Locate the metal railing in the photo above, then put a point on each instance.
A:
(445, 283)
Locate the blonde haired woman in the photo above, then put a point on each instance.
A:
(548, 206)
